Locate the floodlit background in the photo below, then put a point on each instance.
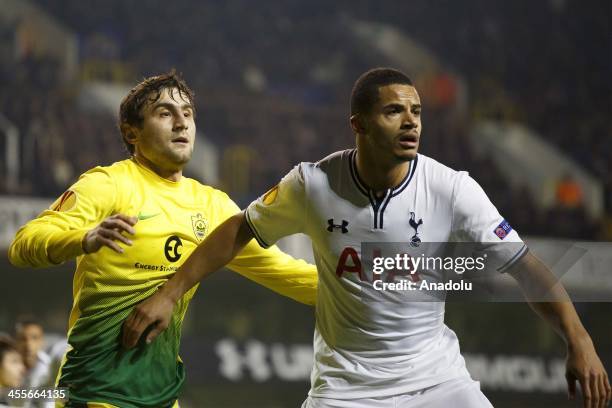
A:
(515, 92)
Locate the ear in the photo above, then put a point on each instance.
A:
(130, 133)
(358, 124)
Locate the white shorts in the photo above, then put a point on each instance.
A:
(459, 393)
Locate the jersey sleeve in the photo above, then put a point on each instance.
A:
(280, 211)
(475, 219)
(55, 235)
(272, 268)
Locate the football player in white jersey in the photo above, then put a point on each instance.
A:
(396, 352)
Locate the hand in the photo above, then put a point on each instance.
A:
(153, 314)
(109, 231)
(584, 365)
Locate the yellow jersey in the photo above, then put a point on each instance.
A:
(174, 217)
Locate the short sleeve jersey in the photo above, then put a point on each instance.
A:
(369, 349)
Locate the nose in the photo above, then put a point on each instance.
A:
(409, 121)
(180, 123)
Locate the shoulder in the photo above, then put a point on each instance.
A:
(326, 166)
(101, 178)
(435, 169)
(204, 191)
(335, 160)
(119, 168)
(115, 171)
(439, 177)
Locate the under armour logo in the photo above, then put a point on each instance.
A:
(415, 241)
(331, 225)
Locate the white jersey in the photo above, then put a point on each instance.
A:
(366, 349)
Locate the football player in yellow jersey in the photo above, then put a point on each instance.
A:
(131, 225)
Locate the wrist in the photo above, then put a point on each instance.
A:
(171, 291)
(84, 243)
(579, 341)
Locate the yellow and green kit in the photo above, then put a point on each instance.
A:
(174, 217)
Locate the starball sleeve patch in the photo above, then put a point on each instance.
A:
(271, 195)
(65, 203)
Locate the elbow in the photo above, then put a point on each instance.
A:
(16, 255)
(13, 255)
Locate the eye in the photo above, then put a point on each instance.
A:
(187, 114)
(393, 111)
(164, 114)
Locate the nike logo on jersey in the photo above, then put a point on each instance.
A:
(142, 216)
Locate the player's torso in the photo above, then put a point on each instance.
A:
(343, 216)
(172, 220)
(169, 228)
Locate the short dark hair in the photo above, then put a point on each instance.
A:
(365, 90)
(132, 104)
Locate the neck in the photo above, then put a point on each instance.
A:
(379, 175)
(163, 172)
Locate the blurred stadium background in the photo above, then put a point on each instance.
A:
(518, 93)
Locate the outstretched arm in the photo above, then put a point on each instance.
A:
(583, 364)
(219, 248)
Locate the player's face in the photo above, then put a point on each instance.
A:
(393, 126)
(167, 134)
(30, 339)
(12, 370)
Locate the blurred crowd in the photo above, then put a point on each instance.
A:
(272, 84)
(58, 140)
(28, 360)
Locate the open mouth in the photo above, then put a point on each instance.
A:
(408, 140)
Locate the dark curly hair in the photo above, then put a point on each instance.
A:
(149, 91)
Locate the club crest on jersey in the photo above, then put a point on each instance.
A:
(415, 241)
(342, 227)
(503, 229)
(65, 202)
(200, 226)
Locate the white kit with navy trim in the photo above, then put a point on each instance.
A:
(377, 349)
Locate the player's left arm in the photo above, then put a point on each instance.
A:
(476, 219)
(583, 364)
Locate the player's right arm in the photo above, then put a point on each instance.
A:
(80, 221)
